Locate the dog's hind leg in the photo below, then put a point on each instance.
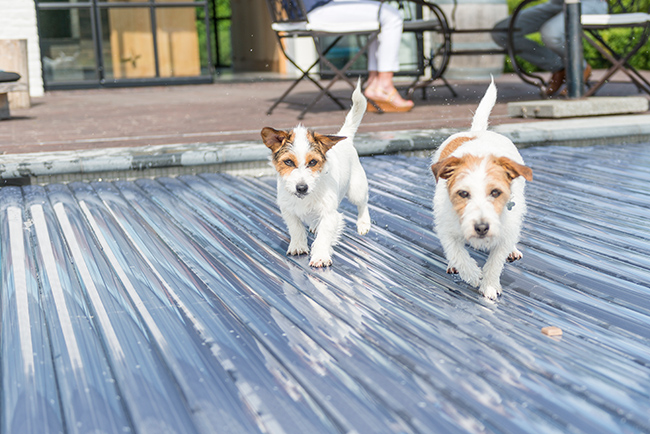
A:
(358, 195)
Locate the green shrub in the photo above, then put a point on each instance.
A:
(222, 56)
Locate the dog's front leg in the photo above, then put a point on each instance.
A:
(363, 220)
(298, 244)
(327, 235)
(491, 284)
(460, 261)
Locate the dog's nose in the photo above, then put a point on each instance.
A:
(481, 229)
(302, 188)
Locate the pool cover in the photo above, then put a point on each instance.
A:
(169, 306)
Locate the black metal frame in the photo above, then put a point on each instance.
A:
(96, 7)
(215, 19)
(419, 26)
(527, 77)
(618, 60)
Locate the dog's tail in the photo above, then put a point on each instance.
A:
(480, 121)
(355, 115)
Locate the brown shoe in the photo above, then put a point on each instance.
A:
(555, 83)
(389, 104)
(586, 74)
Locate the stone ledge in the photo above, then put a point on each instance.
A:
(593, 106)
(152, 161)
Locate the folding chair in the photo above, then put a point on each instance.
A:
(289, 20)
(623, 14)
(525, 76)
(429, 24)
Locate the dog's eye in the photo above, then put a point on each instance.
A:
(464, 194)
(312, 163)
(495, 193)
(289, 163)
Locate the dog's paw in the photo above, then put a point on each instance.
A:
(320, 261)
(297, 249)
(491, 292)
(452, 270)
(363, 227)
(515, 255)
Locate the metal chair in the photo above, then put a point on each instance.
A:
(525, 76)
(433, 43)
(289, 20)
(623, 14)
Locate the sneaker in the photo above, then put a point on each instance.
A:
(7, 77)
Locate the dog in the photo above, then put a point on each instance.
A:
(479, 199)
(315, 172)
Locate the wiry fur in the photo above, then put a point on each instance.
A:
(323, 170)
(479, 199)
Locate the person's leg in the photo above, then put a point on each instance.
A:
(383, 59)
(530, 21)
(372, 77)
(553, 31)
(366, 11)
(554, 37)
(383, 54)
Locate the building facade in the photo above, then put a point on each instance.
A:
(104, 43)
(18, 21)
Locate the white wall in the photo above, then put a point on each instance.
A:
(18, 21)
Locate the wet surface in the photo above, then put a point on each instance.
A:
(169, 305)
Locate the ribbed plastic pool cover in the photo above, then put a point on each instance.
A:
(169, 306)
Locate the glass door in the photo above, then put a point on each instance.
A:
(92, 43)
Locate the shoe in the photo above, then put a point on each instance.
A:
(555, 83)
(7, 77)
(387, 105)
(586, 74)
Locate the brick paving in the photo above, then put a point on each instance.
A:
(228, 111)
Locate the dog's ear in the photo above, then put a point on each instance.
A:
(445, 168)
(327, 141)
(273, 139)
(514, 169)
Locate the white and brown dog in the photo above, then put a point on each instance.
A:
(315, 173)
(479, 199)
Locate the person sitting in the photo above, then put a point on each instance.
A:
(383, 53)
(547, 19)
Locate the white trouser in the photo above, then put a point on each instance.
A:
(383, 53)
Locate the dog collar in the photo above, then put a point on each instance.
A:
(510, 205)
